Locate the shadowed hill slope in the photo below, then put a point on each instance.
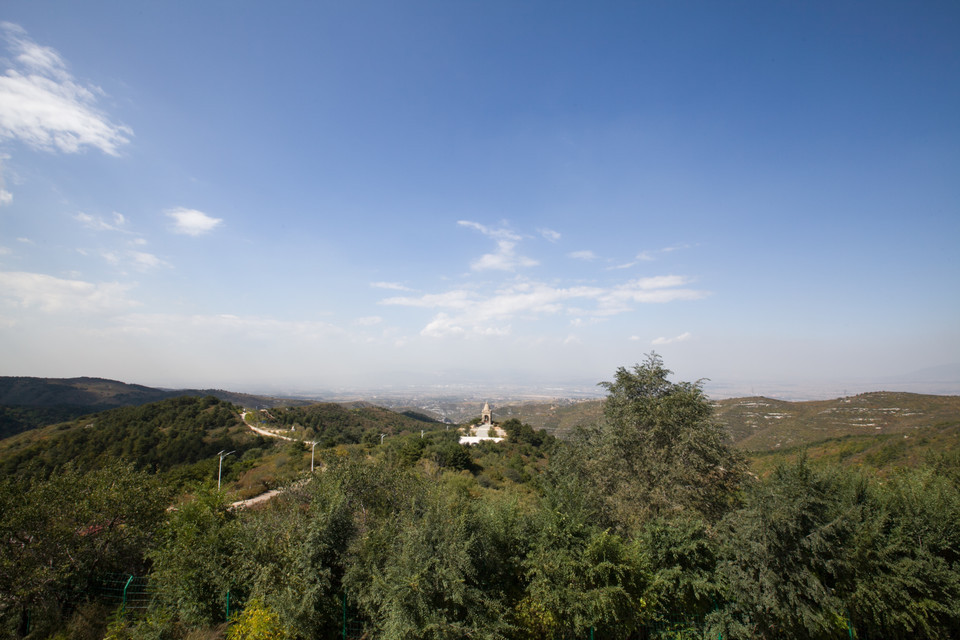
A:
(27, 403)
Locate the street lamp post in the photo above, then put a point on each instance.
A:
(220, 468)
(382, 436)
(313, 445)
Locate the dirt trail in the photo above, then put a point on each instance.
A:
(240, 504)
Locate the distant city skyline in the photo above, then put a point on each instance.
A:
(366, 195)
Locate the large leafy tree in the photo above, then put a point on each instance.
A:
(57, 536)
(579, 576)
(656, 452)
(196, 561)
(906, 560)
(784, 558)
(293, 556)
(416, 574)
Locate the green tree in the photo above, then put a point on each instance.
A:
(58, 536)
(294, 553)
(656, 451)
(196, 563)
(785, 562)
(906, 560)
(416, 573)
(682, 552)
(579, 576)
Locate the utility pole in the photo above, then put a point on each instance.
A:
(220, 468)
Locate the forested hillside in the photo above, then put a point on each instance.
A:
(157, 437)
(27, 403)
(332, 424)
(645, 523)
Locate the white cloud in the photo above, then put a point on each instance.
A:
(549, 234)
(585, 322)
(192, 222)
(586, 254)
(139, 260)
(443, 325)
(505, 258)
(457, 299)
(649, 256)
(393, 286)
(145, 261)
(469, 313)
(44, 107)
(5, 197)
(56, 295)
(683, 337)
(368, 321)
(497, 234)
(97, 223)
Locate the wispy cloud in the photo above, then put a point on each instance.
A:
(368, 321)
(393, 286)
(138, 260)
(683, 337)
(469, 313)
(143, 261)
(192, 222)
(58, 295)
(585, 254)
(505, 258)
(649, 256)
(549, 234)
(43, 106)
(97, 223)
(457, 299)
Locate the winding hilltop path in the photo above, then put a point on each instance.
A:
(263, 497)
(265, 432)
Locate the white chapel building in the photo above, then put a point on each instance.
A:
(487, 429)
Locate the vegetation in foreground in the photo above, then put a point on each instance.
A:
(641, 525)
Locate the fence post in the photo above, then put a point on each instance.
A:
(123, 606)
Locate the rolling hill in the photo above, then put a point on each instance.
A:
(27, 403)
(765, 424)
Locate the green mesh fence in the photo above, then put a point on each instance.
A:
(131, 592)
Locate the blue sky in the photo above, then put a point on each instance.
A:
(359, 194)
